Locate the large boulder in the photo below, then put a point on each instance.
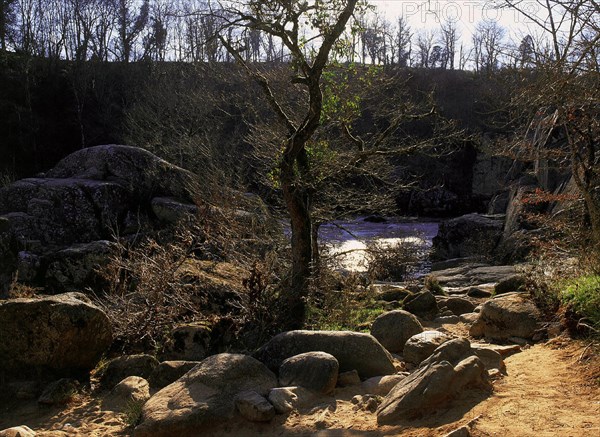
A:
(468, 235)
(506, 316)
(204, 397)
(445, 375)
(87, 197)
(431, 387)
(62, 335)
(141, 173)
(393, 328)
(317, 371)
(353, 350)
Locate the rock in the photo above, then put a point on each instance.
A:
(143, 174)
(132, 389)
(459, 305)
(505, 317)
(510, 284)
(286, 399)
(59, 392)
(353, 350)
(469, 318)
(478, 292)
(77, 266)
(189, 342)
(463, 431)
(381, 385)
(421, 346)
(430, 387)
(422, 304)
(170, 210)
(254, 407)
(452, 351)
(168, 372)
(453, 263)
(82, 200)
(515, 244)
(447, 320)
(468, 235)
(119, 368)
(203, 397)
(375, 218)
(366, 402)
(390, 293)
(21, 390)
(504, 351)
(62, 335)
(468, 275)
(490, 358)
(316, 371)
(393, 328)
(346, 379)
(18, 431)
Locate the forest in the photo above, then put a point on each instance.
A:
(288, 218)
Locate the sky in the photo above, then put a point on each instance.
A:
(428, 14)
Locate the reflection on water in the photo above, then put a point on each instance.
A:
(347, 240)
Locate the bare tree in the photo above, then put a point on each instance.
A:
(402, 42)
(488, 40)
(7, 11)
(425, 43)
(131, 21)
(448, 38)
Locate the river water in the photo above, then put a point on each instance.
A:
(347, 241)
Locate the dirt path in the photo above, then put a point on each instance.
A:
(547, 393)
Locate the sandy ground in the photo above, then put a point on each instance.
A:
(550, 390)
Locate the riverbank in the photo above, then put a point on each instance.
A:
(544, 384)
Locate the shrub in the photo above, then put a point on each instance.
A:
(133, 413)
(432, 284)
(145, 296)
(583, 295)
(394, 262)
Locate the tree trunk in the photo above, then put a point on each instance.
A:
(298, 202)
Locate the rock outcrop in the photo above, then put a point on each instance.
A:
(468, 235)
(62, 219)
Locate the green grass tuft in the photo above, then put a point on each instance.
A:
(583, 295)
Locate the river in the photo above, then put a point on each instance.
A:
(346, 241)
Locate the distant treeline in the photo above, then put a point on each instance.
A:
(182, 111)
(186, 31)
